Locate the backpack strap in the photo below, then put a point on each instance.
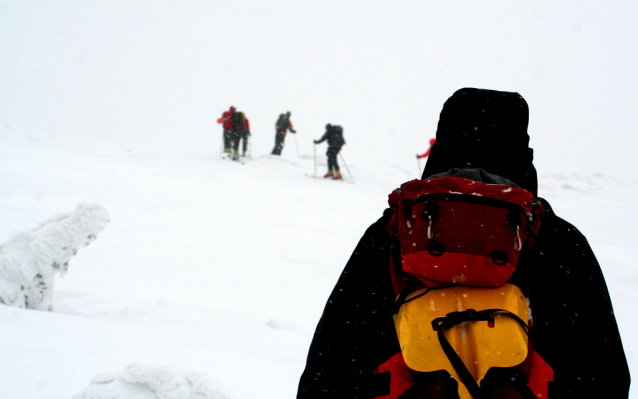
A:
(401, 299)
(455, 318)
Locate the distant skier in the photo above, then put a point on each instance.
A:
(225, 122)
(243, 135)
(425, 154)
(334, 135)
(237, 128)
(282, 125)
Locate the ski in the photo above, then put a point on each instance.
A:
(325, 178)
(230, 157)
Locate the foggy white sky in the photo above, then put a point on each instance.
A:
(163, 71)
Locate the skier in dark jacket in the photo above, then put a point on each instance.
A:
(282, 125)
(238, 124)
(242, 136)
(334, 135)
(574, 328)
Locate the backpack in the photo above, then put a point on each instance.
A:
(281, 124)
(237, 121)
(462, 329)
(246, 124)
(338, 139)
(454, 229)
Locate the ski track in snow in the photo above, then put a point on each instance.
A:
(209, 268)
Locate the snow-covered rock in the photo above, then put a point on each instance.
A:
(138, 381)
(29, 260)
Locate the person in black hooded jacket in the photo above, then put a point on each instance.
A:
(334, 135)
(575, 330)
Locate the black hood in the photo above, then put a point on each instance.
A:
(484, 129)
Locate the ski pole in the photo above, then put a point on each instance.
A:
(297, 146)
(418, 163)
(346, 165)
(314, 150)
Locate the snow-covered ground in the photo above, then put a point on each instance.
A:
(214, 268)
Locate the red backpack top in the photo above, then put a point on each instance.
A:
(456, 230)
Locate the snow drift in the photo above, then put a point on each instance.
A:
(30, 260)
(144, 381)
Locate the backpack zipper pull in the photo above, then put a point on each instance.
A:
(518, 244)
(430, 211)
(430, 234)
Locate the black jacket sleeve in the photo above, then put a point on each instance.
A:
(356, 327)
(323, 138)
(575, 329)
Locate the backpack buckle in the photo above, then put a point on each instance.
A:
(454, 318)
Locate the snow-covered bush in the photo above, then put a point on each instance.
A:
(139, 381)
(29, 260)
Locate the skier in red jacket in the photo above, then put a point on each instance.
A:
(226, 124)
(425, 154)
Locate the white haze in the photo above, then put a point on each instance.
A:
(160, 72)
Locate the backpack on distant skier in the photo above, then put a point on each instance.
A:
(281, 124)
(338, 140)
(462, 329)
(237, 121)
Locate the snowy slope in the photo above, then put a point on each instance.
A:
(216, 268)
(208, 267)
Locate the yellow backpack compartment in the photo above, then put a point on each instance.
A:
(480, 345)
